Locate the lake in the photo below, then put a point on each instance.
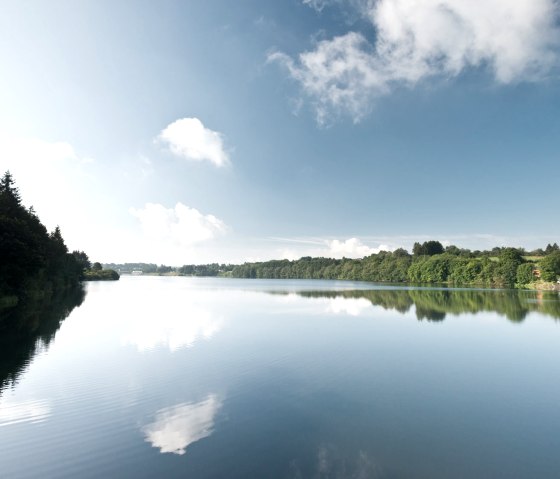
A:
(224, 378)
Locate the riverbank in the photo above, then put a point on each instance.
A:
(543, 286)
(101, 275)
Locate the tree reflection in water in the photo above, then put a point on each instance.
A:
(435, 304)
(29, 328)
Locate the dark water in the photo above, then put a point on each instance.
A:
(200, 378)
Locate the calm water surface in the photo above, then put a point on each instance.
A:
(211, 378)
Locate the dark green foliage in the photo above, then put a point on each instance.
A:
(32, 261)
(551, 248)
(101, 275)
(525, 273)
(213, 269)
(455, 266)
(454, 250)
(466, 271)
(82, 260)
(430, 269)
(130, 267)
(428, 248)
(385, 266)
(550, 266)
(97, 273)
(10, 200)
(509, 261)
(163, 269)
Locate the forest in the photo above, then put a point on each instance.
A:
(429, 263)
(35, 264)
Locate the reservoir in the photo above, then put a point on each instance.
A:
(224, 378)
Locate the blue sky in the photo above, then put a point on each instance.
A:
(194, 131)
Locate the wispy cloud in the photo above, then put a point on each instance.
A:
(190, 139)
(26, 150)
(415, 41)
(181, 225)
(309, 241)
(317, 5)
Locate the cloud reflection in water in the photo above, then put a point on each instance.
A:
(349, 306)
(176, 427)
(174, 324)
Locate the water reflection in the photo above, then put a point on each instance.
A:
(304, 385)
(26, 411)
(176, 427)
(435, 304)
(332, 463)
(349, 306)
(29, 328)
(174, 330)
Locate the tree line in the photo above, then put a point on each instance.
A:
(429, 262)
(33, 261)
(213, 269)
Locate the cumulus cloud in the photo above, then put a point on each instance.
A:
(175, 428)
(515, 40)
(352, 248)
(295, 248)
(290, 254)
(190, 139)
(182, 225)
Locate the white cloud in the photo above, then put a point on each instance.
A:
(146, 168)
(182, 225)
(190, 139)
(36, 150)
(515, 40)
(289, 254)
(175, 428)
(47, 174)
(351, 248)
(295, 248)
(317, 4)
(39, 166)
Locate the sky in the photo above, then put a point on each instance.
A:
(180, 132)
